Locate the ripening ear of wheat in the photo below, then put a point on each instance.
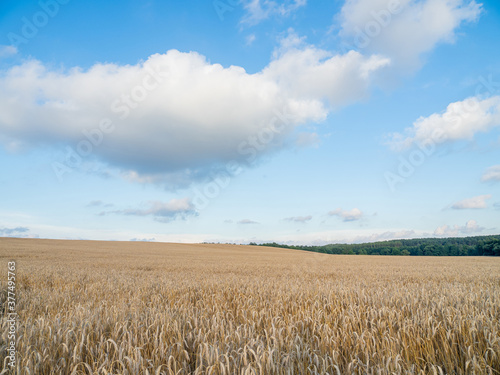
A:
(137, 308)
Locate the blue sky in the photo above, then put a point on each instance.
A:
(234, 121)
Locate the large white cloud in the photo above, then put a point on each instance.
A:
(404, 29)
(461, 121)
(176, 114)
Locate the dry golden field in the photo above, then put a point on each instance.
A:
(149, 308)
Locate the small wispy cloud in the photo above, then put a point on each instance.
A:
(258, 11)
(491, 174)
(472, 203)
(94, 204)
(143, 239)
(98, 203)
(250, 39)
(161, 211)
(299, 219)
(305, 139)
(247, 221)
(6, 51)
(352, 215)
(13, 231)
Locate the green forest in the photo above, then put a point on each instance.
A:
(456, 246)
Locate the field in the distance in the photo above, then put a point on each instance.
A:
(150, 308)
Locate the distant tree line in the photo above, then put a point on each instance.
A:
(456, 246)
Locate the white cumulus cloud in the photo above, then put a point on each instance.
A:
(347, 215)
(461, 121)
(176, 116)
(404, 29)
(451, 231)
(472, 203)
(311, 73)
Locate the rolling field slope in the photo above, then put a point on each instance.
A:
(88, 307)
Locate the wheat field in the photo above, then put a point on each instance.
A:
(150, 308)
